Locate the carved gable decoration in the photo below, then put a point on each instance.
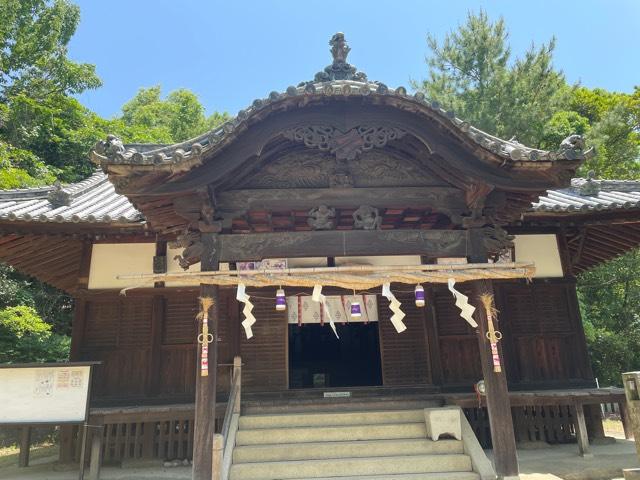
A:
(311, 169)
(344, 145)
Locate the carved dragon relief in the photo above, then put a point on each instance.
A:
(496, 239)
(199, 213)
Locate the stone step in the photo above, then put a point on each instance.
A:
(327, 450)
(406, 476)
(364, 467)
(313, 400)
(251, 422)
(331, 434)
(356, 405)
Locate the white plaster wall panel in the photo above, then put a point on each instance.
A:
(541, 250)
(108, 260)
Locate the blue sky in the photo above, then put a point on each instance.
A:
(232, 52)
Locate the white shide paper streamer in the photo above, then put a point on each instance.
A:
(394, 306)
(317, 296)
(249, 319)
(462, 302)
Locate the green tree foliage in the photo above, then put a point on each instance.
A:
(25, 337)
(149, 118)
(610, 300)
(34, 37)
(57, 132)
(39, 122)
(52, 305)
(471, 72)
(616, 137)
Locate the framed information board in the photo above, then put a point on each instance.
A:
(53, 393)
(46, 393)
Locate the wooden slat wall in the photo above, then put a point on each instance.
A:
(457, 341)
(265, 356)
(545, 335)
(178, 350)
(405, 356)
(543, 341)
(117, 332)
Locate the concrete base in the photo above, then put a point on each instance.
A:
(142, 463)
(537, 445)
(65, 467)
(602, 441)
(631, 474)
(443, 421)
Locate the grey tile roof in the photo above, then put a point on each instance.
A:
(92, 200)
(588, 195)
(114, 152)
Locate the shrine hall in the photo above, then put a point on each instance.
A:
(311, 289)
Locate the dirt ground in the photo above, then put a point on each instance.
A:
(546, 463)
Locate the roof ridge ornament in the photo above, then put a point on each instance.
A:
(590, 187)
(58, 196)
(340, 69)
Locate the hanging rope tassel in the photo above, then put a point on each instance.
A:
(493, 335)
(204, 338)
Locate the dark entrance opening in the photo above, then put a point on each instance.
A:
(318, 359)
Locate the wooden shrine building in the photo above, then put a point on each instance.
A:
(332, 174)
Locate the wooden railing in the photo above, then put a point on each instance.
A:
(224, 441)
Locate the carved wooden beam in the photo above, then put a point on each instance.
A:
(257, 246)
(449, 201)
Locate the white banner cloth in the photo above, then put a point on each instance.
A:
(303, 309)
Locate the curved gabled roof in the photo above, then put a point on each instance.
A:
(337, 81)
(182, 155)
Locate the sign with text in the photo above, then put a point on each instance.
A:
(46, 393)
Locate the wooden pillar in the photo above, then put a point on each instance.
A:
(25, 446)
(626, 420)
(581, 431)
(497, 393)
(95, 459)
(593, 417)
(205, 419)
(67, 432)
